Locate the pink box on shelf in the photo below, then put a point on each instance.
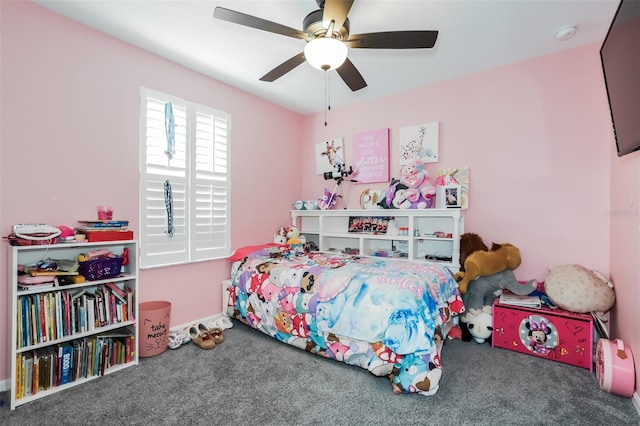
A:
(555, 334)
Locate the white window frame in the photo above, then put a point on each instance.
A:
(198, 171)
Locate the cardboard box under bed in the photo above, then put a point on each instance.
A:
(555, 334)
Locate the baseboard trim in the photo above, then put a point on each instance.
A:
(4, 385)
(187, 326)
(636, 402)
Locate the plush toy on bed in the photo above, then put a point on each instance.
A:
(482, 263)
(420, 191)
(280, 237)
(293, 236)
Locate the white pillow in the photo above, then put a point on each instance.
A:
(578, 289)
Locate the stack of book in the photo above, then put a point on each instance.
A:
(105, 230)
(530, 301)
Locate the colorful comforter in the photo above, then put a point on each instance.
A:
(387, 316)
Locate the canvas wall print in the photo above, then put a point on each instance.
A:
(419, 142)
(455, 176)
(371, 156)
(328, 155)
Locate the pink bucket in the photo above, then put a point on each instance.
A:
(154, 327)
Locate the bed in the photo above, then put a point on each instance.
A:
(387, 316)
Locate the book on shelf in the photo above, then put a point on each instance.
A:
(104, 223)
(28, 384)
(531, 301)
(66, 363)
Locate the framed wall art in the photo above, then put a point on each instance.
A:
(371, 156)
(419, 142)
(328, 155)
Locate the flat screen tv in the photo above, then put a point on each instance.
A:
(620, 56)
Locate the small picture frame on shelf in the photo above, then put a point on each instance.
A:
(448, 196)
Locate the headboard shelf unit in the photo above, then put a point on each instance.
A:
(428, 234)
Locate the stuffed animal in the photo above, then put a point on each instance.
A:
(293, 236)
(328, 200)
(484, 290)
(482, 263)
(470, 242)
(280, 237)
(420, 191)
(386, 201)
(578, 289)
(479, 327)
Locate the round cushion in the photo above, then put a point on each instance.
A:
(577, 289)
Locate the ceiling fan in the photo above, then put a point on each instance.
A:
(328, 27)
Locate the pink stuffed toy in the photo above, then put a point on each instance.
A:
(420, 191)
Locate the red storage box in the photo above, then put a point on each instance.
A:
(94, 236)
(555, 334)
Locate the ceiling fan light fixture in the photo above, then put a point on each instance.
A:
(325, 53)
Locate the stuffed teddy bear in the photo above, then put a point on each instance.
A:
(482, 263)
(420, 191)
(483, 290)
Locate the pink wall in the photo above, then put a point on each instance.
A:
(624, 257)
(535, 142)
(70, 141)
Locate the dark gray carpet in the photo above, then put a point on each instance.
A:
(252, 379)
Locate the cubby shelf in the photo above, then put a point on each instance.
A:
(329, 229)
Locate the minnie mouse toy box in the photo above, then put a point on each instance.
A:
(555, 334)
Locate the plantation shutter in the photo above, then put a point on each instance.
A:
(196, 173)
(210, 189)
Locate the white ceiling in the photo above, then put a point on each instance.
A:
(474, 35)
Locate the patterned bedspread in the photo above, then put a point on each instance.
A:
(387, 316)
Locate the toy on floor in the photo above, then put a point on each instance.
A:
(483, 263)
(479, 328)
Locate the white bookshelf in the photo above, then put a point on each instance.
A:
(21, 347)
(329, 229)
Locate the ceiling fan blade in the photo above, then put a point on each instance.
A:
(337, 11)
(351, 76)
(283, 68)
(394, 40)
(257, 23)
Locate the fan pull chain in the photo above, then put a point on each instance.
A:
(327, 95)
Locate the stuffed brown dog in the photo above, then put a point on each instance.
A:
(482, 263)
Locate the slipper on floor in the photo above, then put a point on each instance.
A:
(203, 340)
(217, 334)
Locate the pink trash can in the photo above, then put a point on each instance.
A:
(154, 327)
